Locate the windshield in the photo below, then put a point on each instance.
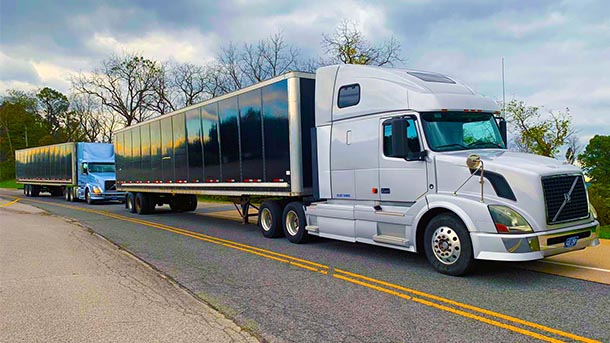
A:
(101, 167)
(450, 131)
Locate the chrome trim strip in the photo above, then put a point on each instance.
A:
(294, 129)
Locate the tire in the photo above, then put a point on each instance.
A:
(67, 194)
(270, 219)
(190, 203)
(131, 203)
(293, 220)
(74, 194)
(34, 191)
(177, 203)
(447, 245)
(88, 197)
(142, 203)
(27, 190)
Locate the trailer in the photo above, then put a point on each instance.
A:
(404, 159)
(77, 170)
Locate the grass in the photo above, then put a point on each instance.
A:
(10, 183)
(604, 232)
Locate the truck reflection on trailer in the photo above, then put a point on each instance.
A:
(403, 159)
(79, 171)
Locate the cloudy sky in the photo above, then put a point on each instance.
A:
(557, 53)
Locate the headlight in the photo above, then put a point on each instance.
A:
(96, 190)
(592, 211)
(508, 220)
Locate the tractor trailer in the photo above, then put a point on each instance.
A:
(79, 171)
(403, 159)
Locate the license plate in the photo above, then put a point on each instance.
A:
(571, 241)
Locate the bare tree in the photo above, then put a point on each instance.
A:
(574, 147)
(349, 46)
(124, 84)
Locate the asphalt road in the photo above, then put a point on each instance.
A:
(331, 291)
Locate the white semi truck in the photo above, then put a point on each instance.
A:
(404, 159)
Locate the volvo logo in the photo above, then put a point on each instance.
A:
(567, 197)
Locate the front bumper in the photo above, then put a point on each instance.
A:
(108, 196)
(533, 246)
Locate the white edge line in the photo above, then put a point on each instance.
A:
(577, 266)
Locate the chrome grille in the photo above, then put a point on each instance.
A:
(565, 198)
(110, 185)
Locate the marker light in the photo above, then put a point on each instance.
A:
(592, 211)
(508, 220)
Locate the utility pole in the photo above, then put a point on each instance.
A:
(26, 137)
(503, 92)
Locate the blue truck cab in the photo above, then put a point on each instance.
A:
(96, 177)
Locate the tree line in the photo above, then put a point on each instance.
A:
(129, 88)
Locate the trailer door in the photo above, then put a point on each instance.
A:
(400, 180)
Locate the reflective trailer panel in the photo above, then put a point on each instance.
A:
(194, 136)
(229, 140)
(251, 136)
(155, 151)
(180, 158)
(119, 156)
(275, 123)
(211, 143)
(145, 151)
(167, 150)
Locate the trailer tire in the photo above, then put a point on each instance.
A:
(26, 190)
(68, 194)
(130, 203)
(34, 191)
(448, 246)
(270, 219)
(190, 203)
(142, 203)
(293, 220)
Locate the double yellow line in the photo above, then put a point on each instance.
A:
(10, 202)
(468, 311)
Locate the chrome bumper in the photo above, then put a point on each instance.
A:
(533, 246)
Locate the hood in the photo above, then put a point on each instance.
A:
(521, 173)
(499, 160)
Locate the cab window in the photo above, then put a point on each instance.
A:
(410, 132)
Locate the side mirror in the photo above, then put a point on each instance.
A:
(85, 168)
(399, 138)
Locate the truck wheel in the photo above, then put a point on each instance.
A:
(34, 190)
(74, 194)
(447, 245)
(88, 197)
(67, 194)
(130, 203)
(190, 203)
(270, 219)
(294, 223)
(142, 203)
(26, 190)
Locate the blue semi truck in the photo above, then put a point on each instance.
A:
(78, 171)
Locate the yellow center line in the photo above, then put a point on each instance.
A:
(470, 307)
(10, 202)
(350, 277)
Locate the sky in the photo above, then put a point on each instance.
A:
(556, 53)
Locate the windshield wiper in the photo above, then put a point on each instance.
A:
(480, 144)
(451, 145)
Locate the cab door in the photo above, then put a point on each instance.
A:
(400, 179)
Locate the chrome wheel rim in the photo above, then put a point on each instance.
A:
(266, 219)
(292, 223)
(129, 203)
(446, 245)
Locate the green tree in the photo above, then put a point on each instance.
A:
(537, 133)
(595, 160)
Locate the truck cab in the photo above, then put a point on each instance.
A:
(96, 173)
(417, 161)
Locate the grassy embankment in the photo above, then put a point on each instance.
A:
(10, 183)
